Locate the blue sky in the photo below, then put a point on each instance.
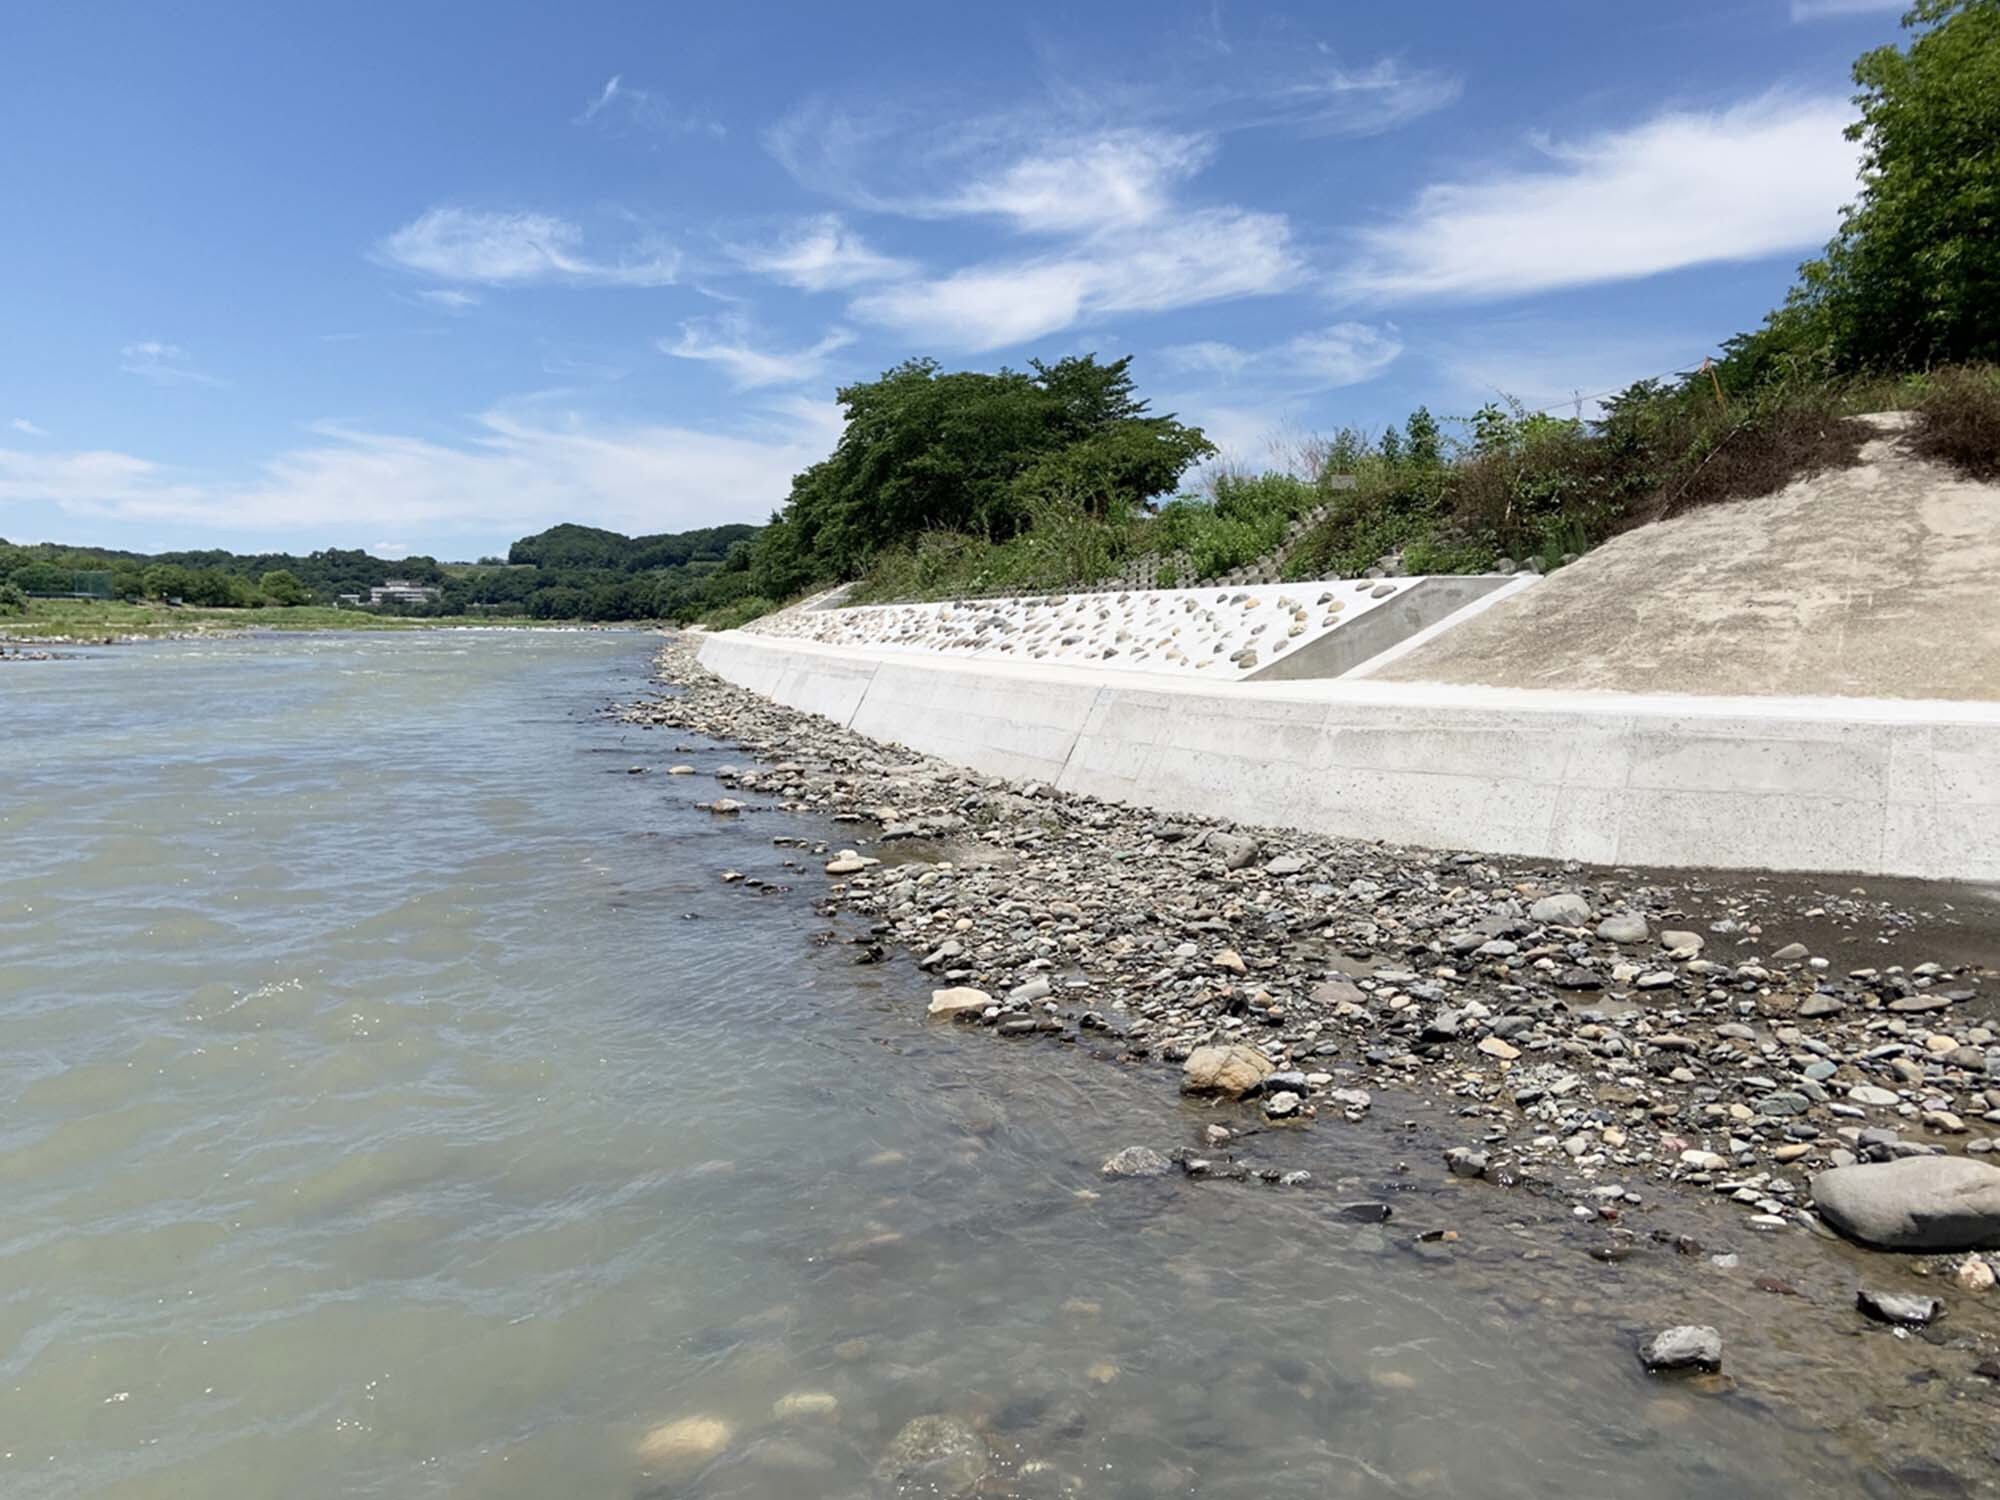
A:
(430, 277)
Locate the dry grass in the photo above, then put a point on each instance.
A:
(1958, 420)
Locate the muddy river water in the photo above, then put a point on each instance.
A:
(397, 1104)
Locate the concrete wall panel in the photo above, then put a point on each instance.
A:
(1782, 784)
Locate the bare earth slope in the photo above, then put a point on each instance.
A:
(1881, 581)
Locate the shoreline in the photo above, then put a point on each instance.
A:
(1762, 1029)
(23, 647)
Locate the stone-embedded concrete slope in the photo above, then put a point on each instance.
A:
(1880, 581)
(1222, 634)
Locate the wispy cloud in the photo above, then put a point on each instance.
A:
(1102, 175)
(1210, 255)
(163, 364)
(1681, 189)
(821, 254)
(1117, 179)
(1340, 355)
(516, 249)
(604, 97)
(389, 551)
(1830, 10)
(895, 157)
(509, 475)
(724, 342)
(26, 428)
(451, 298)
(618, 100)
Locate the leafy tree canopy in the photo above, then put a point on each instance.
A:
(924, 449)
(1912, 280)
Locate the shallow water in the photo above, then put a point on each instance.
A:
(398, 1105)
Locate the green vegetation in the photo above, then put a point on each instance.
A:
(938, 475)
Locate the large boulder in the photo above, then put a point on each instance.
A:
(1917, 1203)
(960, 1003)
(1230, 1071)
(1564, 909)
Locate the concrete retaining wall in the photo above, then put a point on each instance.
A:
(1861, 785)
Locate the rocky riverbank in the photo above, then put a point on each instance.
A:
(1608, 1035)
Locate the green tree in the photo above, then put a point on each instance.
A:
(1425, 447)
(1913, 277)
(280, 586)
(42, 578)
(924, 450)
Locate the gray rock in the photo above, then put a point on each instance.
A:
(1237, 849)
(1136, 1161)
(1905, 1308)
(1286, 864)
(1914, 1203)
(1566, 909)
(1625, 927)
(1691, 1346)
(1282, 1105)
(1791, 953)
(1465, 1161)
(936, 1455)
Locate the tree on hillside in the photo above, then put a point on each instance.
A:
(1913, 277)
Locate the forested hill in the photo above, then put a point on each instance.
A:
(564, 573)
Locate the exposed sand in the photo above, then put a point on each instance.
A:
(1880, 581)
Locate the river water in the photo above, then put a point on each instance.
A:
(396, 1104)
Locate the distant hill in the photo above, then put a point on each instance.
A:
(570, 546)
(566, 572)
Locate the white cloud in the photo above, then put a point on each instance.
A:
(451, 298)
(821, 254)
(1343, 354)
(1207, 255)
(604, 97)
(724, 342)
(1826, 10)
(390, 551)
(501, 249)
(1682, 189)
(646, 110)
(1330, 100)
(26, 428)
(1120, 178)
(163, 364)
(510, 476)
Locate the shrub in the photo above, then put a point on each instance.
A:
(12, 600)
(739, 612)
(1958, 420)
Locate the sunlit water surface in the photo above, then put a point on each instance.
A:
(398, 1105)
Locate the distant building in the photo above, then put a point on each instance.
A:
(402, 591)
(345, 600)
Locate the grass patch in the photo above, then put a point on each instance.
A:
(738, 612)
